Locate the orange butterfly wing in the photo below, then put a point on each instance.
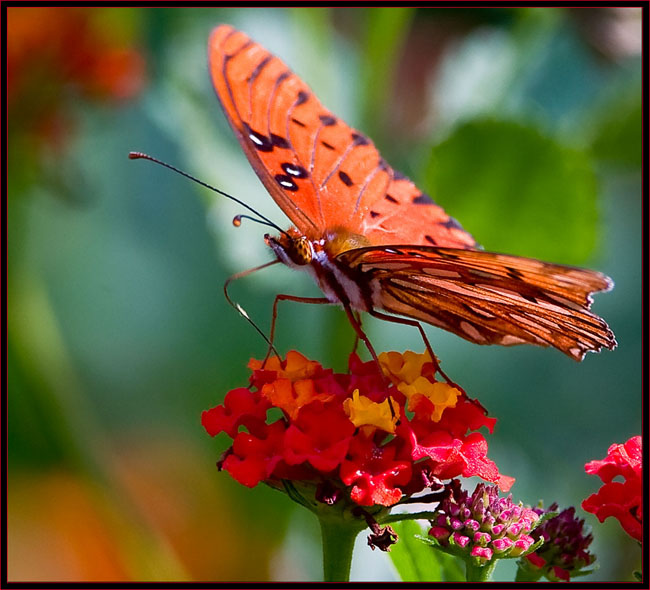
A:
(488, 298)
(324, 174)
(327, 176)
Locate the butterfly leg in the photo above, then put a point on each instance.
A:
(356, 336)
(240, 310)
(361, 335)
(274, 315)
(417, 325)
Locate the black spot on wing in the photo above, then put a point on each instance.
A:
(513, 273)
(358, 139)
(302, 98)
(327, 145)
(528, 297)
(391, 199)
(294, 170)
(422, 199)
(327, 120)
(347, 181)
(260, 142)
(258, 69)
(374, 214)
(299, 123)
(286, 182)
(451, 223)
(430, 240)
(382, 164)
(278, 141)
(397, 175)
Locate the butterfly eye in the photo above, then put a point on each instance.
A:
(301, 252)
(291, 250)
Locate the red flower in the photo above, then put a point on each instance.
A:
(252, 459)
(320, 435)
(350, 435)
(239, 407)
(620, 499)
(374, 472)
(451, 456)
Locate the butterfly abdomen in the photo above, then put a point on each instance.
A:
(339, 283)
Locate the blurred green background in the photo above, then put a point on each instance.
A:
(524, 123)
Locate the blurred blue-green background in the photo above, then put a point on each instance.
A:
(524, 123)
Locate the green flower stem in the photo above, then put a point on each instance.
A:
(338, 544)
(478, 573)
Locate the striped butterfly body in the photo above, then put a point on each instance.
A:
(370, 238)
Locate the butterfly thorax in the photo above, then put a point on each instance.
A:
(318, 258)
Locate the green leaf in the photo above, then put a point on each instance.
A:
(415, 561)
(517, 190)
(618, 137)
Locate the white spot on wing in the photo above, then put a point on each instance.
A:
(509, 339)
(471, 331)
(526, 321)
(507, 293)
(438, 272)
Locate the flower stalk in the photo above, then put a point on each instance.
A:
(338, 544)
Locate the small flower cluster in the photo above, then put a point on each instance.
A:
(620, 499)
(565, 552)
(483, 527)
(365, 436)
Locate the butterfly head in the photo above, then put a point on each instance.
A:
(292, 250)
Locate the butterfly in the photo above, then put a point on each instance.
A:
(371, 239)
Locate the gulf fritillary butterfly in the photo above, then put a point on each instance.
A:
(370, 238)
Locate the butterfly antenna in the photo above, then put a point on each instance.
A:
(240, 309)
(262, 219)
(236, 221)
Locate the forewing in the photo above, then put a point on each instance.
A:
(404, 214)
(324, 174)
(318, 169)
(487, 298)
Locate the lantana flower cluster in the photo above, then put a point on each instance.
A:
(483, 526)
(565, 552)
(620, 499)
(363, 436)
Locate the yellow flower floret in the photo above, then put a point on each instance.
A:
(403, 368)
(441, 395)
(362, 411)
